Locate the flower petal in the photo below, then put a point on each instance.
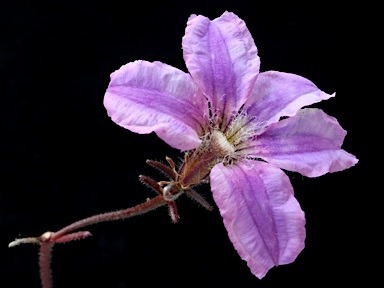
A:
(308, 143)
(222, 59)
(145, 97)
(278, 94)
(264, 220)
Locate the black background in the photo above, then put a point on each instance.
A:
(63, 159)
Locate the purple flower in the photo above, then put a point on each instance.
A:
(226, 109)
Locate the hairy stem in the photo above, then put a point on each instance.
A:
(142, 208)
(48, 239)
(45, 264)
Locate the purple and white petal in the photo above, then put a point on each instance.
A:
(308, 143)
(149, 97)
(264, 220)
(221, 57)
(278, 94)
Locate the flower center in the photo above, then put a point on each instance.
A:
(220, 146)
